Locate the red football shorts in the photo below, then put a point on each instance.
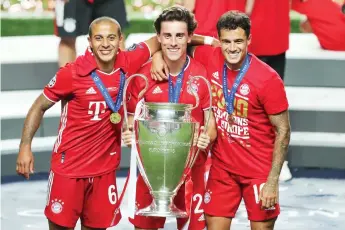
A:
(93, 200)
(224, 192)
(196, 220)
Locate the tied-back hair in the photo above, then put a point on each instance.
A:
(176, 13)
(232, 20)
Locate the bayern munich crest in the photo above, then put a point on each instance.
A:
(244, 89)
(207, 197)
(57, 206)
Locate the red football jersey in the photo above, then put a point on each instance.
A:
(270, 27)
(207, 13)
(327, 21)
(88, 144)
(159, 91)
(245, 146)
(237, 5)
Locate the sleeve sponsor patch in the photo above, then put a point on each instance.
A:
(52, 82)
(132, 47)
(135, 46)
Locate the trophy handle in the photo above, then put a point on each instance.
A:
(197, 104)
(124, 99)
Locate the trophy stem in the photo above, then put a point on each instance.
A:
(163, 206)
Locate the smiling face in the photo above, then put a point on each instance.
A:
(174, 39)
(105, 41)
(234, 45)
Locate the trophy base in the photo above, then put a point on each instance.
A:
(153, 210)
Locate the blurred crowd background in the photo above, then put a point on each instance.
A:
(146, 8)
(140, 12)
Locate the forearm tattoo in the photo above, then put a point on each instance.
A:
(33, 119)
(282, 125)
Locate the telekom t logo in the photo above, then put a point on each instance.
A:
(96, 108)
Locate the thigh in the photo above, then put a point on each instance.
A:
(64, 200)
(111, 8)
(218, 223)
(53, 226)
(267, 224)
(223, 193)
(251, 192)
(101, 197)
(143, 200)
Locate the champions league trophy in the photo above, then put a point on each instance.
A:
(165, 137)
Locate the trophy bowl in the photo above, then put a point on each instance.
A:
(164, 135)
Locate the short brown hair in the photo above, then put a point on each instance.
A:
(176, 13)
(231, 20)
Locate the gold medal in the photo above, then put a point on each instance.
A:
(115, 118)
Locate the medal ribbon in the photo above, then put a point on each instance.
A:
(230, 97)
(113, 106)
(175, 92)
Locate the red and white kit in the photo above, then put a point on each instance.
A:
(88, 147)
(242, 152)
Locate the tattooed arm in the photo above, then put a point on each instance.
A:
(281, 123)
(25, 160)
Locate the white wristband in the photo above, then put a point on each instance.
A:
(208, 40)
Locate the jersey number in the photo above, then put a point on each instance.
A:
(112, 194)
(197, 209)
(256, 192)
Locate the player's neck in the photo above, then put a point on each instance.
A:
(106, 67)
(175, 67)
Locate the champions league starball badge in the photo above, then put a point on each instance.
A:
(115, 118)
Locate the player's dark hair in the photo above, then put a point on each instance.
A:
(176, 13)
(343, 8)
(232, 20)
(102, 19)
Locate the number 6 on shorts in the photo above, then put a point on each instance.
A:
(112, 194)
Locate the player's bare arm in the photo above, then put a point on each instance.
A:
(189, 4)
(249, 7)
(25, 160)
(212, 127)
(153, 44)
(205, 139)
(127, 131)
(270, 191)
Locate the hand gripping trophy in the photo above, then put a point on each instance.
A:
(165, 135)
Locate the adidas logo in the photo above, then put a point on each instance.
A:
(91, 90)
(157, 90)
(216, 75)
(201, 218)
